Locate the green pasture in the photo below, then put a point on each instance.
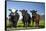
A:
(20, 24)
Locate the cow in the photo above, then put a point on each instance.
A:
(26, 18)
(35, 18)
(14, 17)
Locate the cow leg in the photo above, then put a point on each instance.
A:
(32, 21)
(29, 23)
(37, 24)
(14, 24)
(23, 23)
(26, 24)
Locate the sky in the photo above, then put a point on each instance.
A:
(39, 7)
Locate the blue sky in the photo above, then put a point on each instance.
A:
(39, 7)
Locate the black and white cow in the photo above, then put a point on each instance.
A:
(14, 17)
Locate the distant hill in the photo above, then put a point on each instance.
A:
(42, 16)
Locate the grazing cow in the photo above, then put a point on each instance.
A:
(14, 18)
(26, 18)
(35, 17)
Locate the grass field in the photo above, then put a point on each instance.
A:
(20, 24)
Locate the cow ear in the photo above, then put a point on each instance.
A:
(26, 10)
(9, 9)
(35, 11)
(16, 10)
(20, 10)
(30, 11)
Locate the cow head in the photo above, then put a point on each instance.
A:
(33, 12)
(10, 10)
(23, 12)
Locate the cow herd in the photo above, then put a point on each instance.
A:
(14, 18)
